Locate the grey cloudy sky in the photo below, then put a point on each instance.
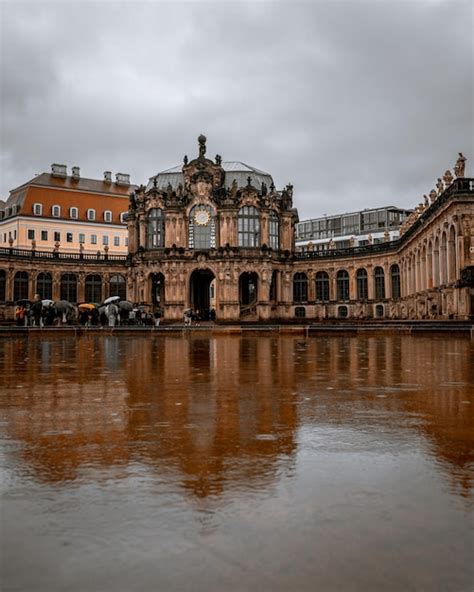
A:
(357, 103)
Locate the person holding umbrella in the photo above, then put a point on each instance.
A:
(111, 309)
(36, 311)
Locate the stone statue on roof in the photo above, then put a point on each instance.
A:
(460, 165)
(440, 186)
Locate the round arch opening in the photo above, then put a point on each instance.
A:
(202, 293)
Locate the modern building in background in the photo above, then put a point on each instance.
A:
(353, 229)
(67, 213)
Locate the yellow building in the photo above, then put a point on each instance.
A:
(67, 213)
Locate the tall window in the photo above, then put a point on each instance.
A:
(3, 282)
(362, 285)
(91, 214)
(107, 216)
(300, 287)
(395, 277)
(273, 231)
(44, 285)
(73, 213)
(56, 211)
(379, 278)
(118, 286)
(20, 286)
(69, 287)
(93, 288)
(37, 209)
(322, 286)
(249, 227)
(155, 229)
(202, 228)
(342, 284)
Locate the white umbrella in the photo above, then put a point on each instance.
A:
(47, 302)
(111, 299)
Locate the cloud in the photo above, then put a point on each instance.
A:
(358, 103)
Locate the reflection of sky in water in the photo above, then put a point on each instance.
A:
(273, 459)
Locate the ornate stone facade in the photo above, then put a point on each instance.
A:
(209, 242)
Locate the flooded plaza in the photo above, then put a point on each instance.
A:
(236, 463)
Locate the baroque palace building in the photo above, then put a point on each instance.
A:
(218, 235)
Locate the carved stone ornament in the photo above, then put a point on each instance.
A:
(448, 178)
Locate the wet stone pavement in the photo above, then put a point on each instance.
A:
(237, 463)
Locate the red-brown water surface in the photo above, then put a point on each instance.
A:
(228, 463)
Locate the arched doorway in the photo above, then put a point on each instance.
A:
(248, 293)
(202, 293)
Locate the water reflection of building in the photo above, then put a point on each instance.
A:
(225, 412)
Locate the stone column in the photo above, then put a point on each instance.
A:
(81, 287)
(56, 285)
(9, 285)
(370, 282)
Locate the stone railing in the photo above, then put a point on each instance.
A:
(29, 254)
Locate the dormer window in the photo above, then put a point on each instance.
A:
(123, 217)
(38, 209)
(91, 214)
(74, 213)
(56, 211)
(2, 214)
(107, 216)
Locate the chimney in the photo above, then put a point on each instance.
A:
(122, 179)
(107, 176)
(76, 173)
(59, 170)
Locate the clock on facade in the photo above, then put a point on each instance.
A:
(202, 217)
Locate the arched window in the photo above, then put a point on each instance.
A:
(91, 214)
(20, 286)
(118, 287)
(56, 211)
(249, 227)
(202, 228)
(44, 285)
(379, 278)
(322, 286)
(395, 280)
(362, 285)
(3, 282)
(69, 287)
(37, 209)
(123, 217)
(155, 229)
(107, 216)
(342, 285)
(273, 231)
(73, 213)
(300, 287)
(342, 312)
(93, 288)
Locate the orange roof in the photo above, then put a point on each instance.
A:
(67, 192)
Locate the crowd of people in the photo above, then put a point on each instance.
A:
(46, 313)
(112, 313)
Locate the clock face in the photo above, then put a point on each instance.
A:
(202, 217)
